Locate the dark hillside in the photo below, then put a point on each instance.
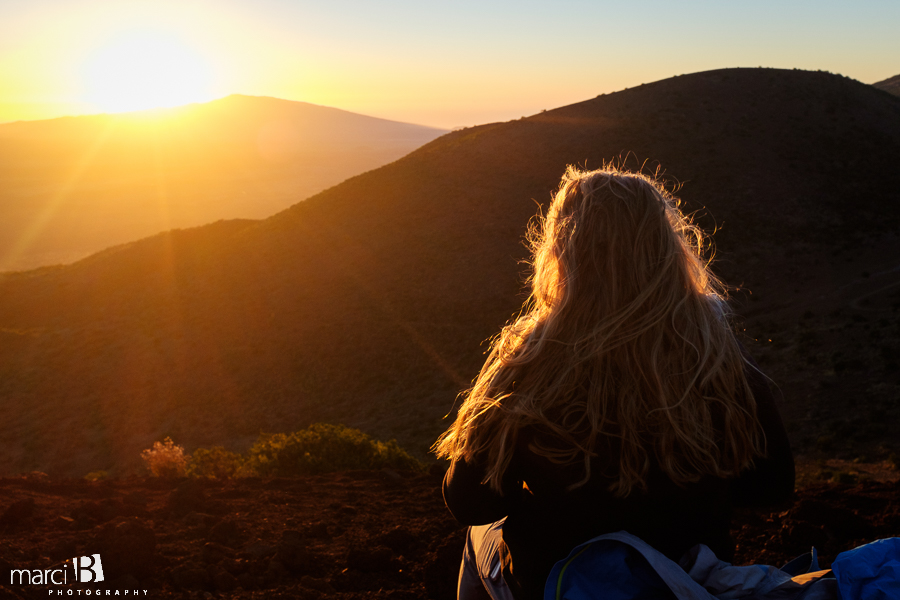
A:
(891, 84)
(368, 304)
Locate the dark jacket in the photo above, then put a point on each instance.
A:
(545, 521)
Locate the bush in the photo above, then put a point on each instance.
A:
(323, 448)
(166, 459)
(215, 462)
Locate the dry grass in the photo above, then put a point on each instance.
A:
(166, 459)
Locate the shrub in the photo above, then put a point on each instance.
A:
(166, 459)
(216, 462)
(323, 448)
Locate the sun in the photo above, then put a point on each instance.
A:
(145, 69)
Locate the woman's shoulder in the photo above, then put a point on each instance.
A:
(533, 462)
(469, 499)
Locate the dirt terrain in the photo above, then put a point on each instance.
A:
(359, 534)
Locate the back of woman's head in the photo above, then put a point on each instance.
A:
(623, 348)
(614, 243)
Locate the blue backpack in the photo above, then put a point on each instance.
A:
(620, 566)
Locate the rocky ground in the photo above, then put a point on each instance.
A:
(360, 534)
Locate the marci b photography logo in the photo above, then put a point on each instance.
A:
(85, 569)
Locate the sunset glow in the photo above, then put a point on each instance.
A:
(145, 70)
(447, 66)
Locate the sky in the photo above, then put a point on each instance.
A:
(445, 64)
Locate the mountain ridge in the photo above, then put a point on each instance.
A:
(891, 84)
(163, 111)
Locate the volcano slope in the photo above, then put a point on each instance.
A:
(369, 304)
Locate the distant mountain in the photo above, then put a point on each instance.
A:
(891, 84)
(72, 186)
(369, 303)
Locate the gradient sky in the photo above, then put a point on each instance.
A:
(444, 64)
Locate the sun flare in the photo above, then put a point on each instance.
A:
(145, 70)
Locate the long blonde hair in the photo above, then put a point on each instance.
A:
(624, 344)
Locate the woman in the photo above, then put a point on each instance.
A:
(618, 400)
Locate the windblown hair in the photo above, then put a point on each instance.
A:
(623, 349)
